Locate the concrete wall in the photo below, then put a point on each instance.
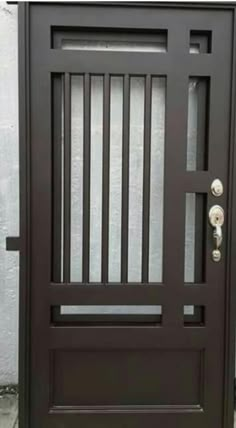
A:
(9, 193)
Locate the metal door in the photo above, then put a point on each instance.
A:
(126, 307)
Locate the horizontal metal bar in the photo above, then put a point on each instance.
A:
(13, 243)
(126, 294)
(116, 337)
(196, 181)
(127, 62)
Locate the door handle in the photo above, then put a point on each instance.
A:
(216, 218)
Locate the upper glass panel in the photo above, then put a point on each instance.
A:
(113, 41)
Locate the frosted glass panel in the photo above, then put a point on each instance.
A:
(192, 125)
(136, 178)
(195, 236)
(112, 310)
(116, 129)
(103, 45)
(197, 144)
(157, 178)
(76, 177)
(190, 237)
(96, 177)
(194, 48)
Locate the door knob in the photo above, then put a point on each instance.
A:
(216, 218)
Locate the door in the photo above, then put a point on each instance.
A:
(128, 127)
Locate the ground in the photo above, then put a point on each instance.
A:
(8, 412)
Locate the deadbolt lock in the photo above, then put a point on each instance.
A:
(216, 218)
(217, 187)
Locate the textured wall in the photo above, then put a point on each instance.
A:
(9, 193)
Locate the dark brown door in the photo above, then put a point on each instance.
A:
(129, 126)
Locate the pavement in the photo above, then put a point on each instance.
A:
(8, 412)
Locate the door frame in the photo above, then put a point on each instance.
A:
(25, 208)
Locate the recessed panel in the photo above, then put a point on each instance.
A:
(194, 315)
(126, 377)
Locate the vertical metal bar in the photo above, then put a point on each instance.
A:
(146, 179)
(175, 165)
(125, 181)
(105, 177)
(57, 176)
(86, 178)
(67, 176)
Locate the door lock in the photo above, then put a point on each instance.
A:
(216, 218)
(217, 187)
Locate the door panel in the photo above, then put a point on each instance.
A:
(129, 127)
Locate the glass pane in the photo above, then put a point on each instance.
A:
(103, 45)
(195, 238)
(116, 129)
(194, 48)
(197, 134)
(76, 177)
(192, 126)
(136, 178)
(110, 41)
(96, 177)
(112, 310)
(200, 42)
(194, 315)
(157, 178)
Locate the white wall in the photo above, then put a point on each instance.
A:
(9, 193)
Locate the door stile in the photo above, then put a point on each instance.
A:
(25, 215)
(174, 197)
(230, 295)
(41, 243)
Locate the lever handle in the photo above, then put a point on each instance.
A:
(216, 218)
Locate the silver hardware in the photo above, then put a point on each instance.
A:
(216, 218)
(217, 187)
(216, 255)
